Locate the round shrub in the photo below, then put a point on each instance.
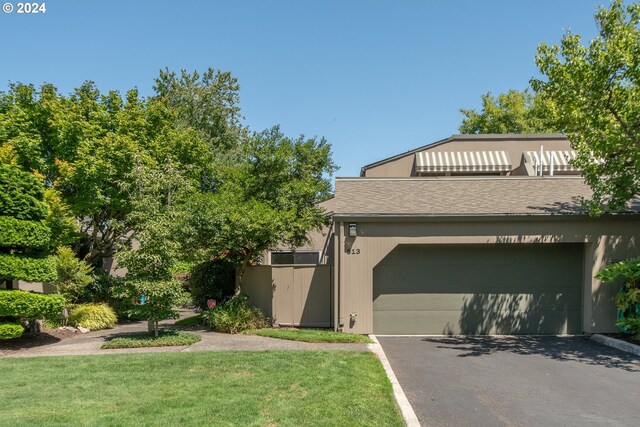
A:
(211, 280)
(235, 316)
(10, 330)
(92, 316)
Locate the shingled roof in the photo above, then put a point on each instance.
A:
(462, 196)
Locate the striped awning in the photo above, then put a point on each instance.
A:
(560, 160)
(464, 161)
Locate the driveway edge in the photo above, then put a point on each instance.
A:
(618, 344)
(408, 414)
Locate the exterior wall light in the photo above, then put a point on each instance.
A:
(353, 229)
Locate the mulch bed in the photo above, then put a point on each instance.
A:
(27, 340)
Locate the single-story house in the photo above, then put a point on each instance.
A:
(474, 234)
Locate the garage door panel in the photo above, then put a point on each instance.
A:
(467, 278)
(482, 254)
(484, 289)
(453, 322)
(427, 302)
(435, 284)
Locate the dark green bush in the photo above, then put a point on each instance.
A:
(10, 330)
(211, 280)
(100, 289)
(23, 267)
(30, 305)
(92, 316)
(21, 194)
(628, 298)
(235, 316)
(18, 233)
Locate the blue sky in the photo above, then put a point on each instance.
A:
(375, 78)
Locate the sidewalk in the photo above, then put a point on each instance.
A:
(90, 343)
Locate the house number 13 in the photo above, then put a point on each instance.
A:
(353, 251)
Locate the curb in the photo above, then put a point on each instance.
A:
(618, 344)
(408, 414)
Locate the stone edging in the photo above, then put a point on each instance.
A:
(408, 414)
(618, 344)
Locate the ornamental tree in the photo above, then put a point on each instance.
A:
(158, 196)
(21, 307)
(24, 235)
(595, 94)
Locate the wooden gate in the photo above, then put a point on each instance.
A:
(291, 295)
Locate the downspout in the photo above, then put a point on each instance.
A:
(336, 275)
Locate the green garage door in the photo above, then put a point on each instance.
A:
(479, 289)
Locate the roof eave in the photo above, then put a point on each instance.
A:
(476, 217)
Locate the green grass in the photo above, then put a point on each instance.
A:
(144, 339)
(311, 335)
(231, 388)
(191, 321)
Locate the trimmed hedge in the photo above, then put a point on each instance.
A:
(29, 305)
(93, 316)
(21, 194)
(22, 267)
(19, 233)
(10, 330)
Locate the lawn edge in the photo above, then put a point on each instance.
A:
(617, 344)
(406, 409)
(254, 332)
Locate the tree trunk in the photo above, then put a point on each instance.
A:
(239, 273)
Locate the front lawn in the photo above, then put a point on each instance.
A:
(312, 335)
(269, 388)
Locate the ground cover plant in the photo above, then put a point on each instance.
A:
(324, 388)
(311, 335)
(144, 339)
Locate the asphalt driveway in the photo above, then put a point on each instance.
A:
(519, 381)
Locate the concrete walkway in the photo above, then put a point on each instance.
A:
(90, 343)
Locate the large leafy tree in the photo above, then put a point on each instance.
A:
(269, 199)
(87, 145)
(596, 96)
(206, 103)
(511, 112)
